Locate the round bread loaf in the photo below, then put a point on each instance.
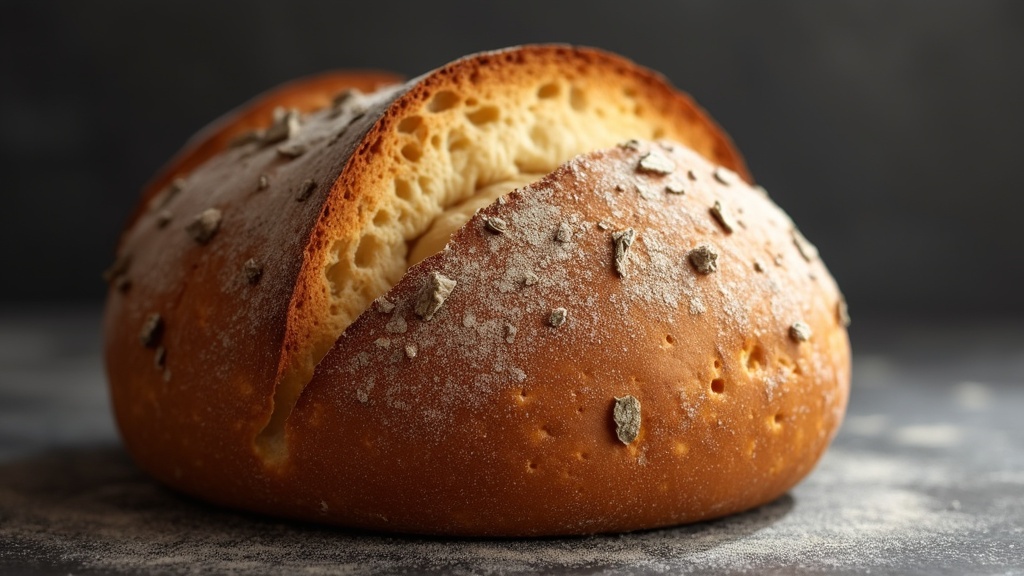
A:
(456, 306)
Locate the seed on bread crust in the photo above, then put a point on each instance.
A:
(384, 306)
(799, 332)
(626, 416)
(152, 330)
(723, 217)
(656, 163)
(558, 317)
(806, 249)
(204, 225)
(344, 97)
(496, 225)
(704, 259)
(123, 284)
(622, 241)
(118, 268)
(433, 294)
(843, 312)
(305, 190)
(164, 198)
(244, 138)
(724, 175)
(164, 218)
(285, 126)
(253, 271)
(292, 149)
(564, 232)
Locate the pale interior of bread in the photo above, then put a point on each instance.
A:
(452, 157)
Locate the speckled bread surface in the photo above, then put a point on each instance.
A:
(456, 306)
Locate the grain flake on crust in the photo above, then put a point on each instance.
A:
(305, 190)
(564, 232)
(286, 125)
(152, 330)
(704, 259)
(253, 271)
(622, 241)
(626, 416)
(204, 225)
(843, 312)
(725, 176)
(558, 317)
(804, 246)
(496, 225)
(656, 163)
(292, 149)
(799, 332)
(723, 217)
(118, 269)
(384, 306)
(675, 188)
(432, 295)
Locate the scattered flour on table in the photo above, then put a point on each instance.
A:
(96, 512)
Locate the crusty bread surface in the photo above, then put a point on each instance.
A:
(347, 314)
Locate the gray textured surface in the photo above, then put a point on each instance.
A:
(926, 477)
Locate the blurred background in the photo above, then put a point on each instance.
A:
(891, 131)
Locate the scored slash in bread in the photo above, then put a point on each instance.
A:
(609, 347)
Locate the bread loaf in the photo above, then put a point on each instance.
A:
(529, 293)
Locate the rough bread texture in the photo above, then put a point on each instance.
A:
(304, 95)
(477, 396)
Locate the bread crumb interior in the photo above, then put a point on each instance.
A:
(454, 155)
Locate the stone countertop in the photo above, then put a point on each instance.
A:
(925, 477)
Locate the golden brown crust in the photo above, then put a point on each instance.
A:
(210, 311)
(734, 411)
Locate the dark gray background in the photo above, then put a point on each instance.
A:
(891, 130)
